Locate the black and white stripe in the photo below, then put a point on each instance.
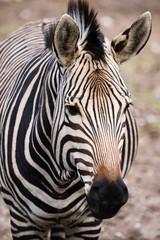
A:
(58, 125)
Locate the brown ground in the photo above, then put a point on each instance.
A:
(139, 219)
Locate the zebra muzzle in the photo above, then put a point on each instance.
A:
(106, 198)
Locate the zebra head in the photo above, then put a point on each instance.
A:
(92, 100)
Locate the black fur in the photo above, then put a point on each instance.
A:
(94, 40)
(93, 43)
(49, 33)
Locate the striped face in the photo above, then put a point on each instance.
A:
(90, 112)
(89, 121)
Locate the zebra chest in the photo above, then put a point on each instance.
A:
(61, 206)
(35, 178)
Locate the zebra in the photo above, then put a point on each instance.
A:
(68, 134)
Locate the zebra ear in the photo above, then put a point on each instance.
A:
(65, 40)
(131, 41)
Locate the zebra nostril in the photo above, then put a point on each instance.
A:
(95, 193)
(125, 196)
(123, 189)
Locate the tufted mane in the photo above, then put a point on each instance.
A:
(90, 35)
(91, 39)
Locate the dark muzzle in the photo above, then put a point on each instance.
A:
(106, 198)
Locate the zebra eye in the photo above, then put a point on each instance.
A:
(73, 110)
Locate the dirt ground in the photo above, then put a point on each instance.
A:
(139, 219)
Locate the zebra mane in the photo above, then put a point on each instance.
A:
(91, 39)
(90, 35)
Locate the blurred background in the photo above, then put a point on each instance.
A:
(139, 219)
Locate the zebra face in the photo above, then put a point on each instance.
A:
(90, 110)
(89, 129)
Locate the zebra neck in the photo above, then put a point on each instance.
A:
(41, 133)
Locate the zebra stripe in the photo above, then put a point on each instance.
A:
(131, 141)
(68, 133)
